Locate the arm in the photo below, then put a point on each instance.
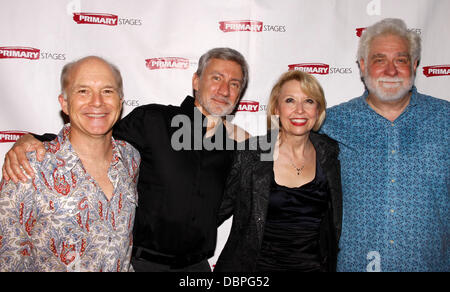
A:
(16, 157)
(232, 188)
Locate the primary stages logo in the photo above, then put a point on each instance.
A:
(249, 26)
(167, 63)
(19, 53)
(95, 18)
(131, 102)
(241, 25)
(436, 70)
(248, 106)
(360, 30)
(319, 68)
(11, 136)
(29, 54)
(311, 68)
(251, 106)
(103, 18)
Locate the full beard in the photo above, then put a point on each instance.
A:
(382, 86)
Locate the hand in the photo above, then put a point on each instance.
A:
(17, 158)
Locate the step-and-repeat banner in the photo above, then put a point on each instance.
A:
(157, 44)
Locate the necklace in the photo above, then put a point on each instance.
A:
(299, 170)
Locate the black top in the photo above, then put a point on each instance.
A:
(179, 191)
(291, 234)
(247, 199)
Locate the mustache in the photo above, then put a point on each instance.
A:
(389, 79)
(222, 99)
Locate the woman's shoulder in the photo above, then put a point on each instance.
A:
(322, 141)
(261, 143)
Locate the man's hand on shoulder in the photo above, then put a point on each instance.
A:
(235, 132)
(16, 160)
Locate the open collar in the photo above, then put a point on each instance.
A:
(66, 156)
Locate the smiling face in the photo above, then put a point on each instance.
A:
(388, 71)
(93, 103)
(298, 112)
(218, 88)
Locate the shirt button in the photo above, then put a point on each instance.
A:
(392, 180)
(391, 241)
(393, 151)
(392, 211)
(392, 124)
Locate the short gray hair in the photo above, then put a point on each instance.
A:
(227, 54)
(389, 26)
(65, 72)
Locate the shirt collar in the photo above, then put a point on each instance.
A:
(414, 99)
(66, 156)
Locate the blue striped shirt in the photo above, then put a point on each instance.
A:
(395, 180)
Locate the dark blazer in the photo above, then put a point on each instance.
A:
(246, 198)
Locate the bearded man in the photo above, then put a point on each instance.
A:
(394, 157)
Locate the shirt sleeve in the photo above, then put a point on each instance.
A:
(18, 215)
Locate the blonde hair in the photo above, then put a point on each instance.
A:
(309, 85)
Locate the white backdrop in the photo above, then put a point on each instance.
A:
(157, 43)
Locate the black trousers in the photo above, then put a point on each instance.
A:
(142, 265)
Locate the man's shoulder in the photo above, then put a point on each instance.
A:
(130, 156)
(434, 102)
(127, 150)
(145, 117)
(155, 109)
(347, 106)
(159, 112)
(344, 113)
(49, 163)
(341, 117)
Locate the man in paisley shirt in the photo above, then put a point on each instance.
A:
(395, 161)
(77, 213)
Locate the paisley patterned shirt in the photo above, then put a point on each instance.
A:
(395, 180)
(62, 221)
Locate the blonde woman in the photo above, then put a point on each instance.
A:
(287, 211)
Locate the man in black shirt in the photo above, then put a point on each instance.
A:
(180, 182)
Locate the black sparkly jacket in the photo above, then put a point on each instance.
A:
(247, 195)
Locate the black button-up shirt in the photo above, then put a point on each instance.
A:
(179, 191)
